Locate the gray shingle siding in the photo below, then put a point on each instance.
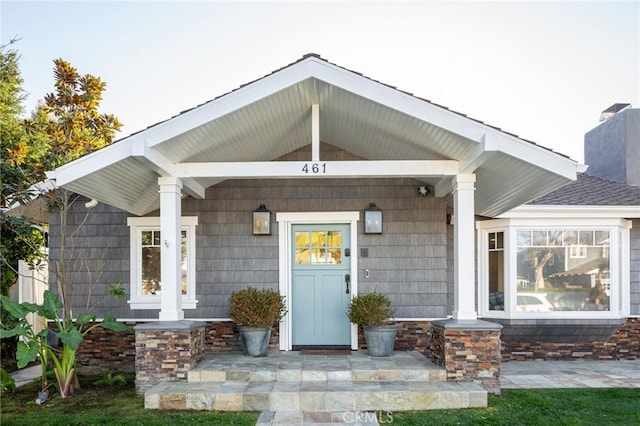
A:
(408, 261)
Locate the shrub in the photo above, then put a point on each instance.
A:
(370, 309)
(257, 308)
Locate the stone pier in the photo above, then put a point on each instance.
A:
(468, 350)
(166, 351)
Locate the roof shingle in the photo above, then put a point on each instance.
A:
(592, 191)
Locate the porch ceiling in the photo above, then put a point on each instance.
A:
(271, 117)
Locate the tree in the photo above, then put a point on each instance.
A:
(66, 126)
(20, 238)
(73, 126)
(19, 158)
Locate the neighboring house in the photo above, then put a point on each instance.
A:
(317, 144)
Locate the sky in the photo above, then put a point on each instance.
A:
(541, 70)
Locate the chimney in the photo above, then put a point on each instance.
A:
(612, 111)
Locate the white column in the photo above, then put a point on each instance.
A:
(170, 251)
(463, 248)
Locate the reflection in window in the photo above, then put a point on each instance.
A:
(496, 271)
(150, 257)
(563, 270)
(318, 247)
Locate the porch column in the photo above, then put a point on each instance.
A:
(464, 248)
(170, 251)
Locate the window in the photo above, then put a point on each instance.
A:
(551, 271)
(496, 271)
(146, 239)
(318, 247)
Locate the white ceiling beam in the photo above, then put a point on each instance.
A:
(160, 164)
(322, 169)
(477, 156)
(315, 132)
(443, 187)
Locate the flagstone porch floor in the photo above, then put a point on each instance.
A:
(330, 387)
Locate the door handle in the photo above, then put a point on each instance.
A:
(347, 281)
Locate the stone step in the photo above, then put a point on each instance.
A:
(296, 375)
(344, 396)
(288, 367)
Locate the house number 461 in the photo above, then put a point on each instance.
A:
(314, 168)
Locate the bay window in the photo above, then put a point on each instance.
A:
(553, 268)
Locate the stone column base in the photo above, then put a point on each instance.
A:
(468, 350)
(166, 351)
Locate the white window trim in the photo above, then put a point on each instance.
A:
(137, 300)
(618, 257)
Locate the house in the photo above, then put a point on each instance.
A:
(467, 215)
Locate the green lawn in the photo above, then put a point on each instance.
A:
(579, 407)
(119, 404)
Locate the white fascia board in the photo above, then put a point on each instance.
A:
(533, 154)
(400, 101)
(322, 169)
(230, 102)
(90, 163)
(570, 211)
(321, 70)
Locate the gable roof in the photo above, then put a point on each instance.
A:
(270, 117)
(592, 191)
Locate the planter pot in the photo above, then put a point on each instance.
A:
(381, 339)
(255, 340)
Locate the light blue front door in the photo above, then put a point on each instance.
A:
(320, 285)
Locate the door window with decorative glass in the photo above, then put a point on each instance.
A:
(321, 247)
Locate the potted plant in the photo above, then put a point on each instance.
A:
(255, 311)
(372, 311)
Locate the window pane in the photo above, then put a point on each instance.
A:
(334, 256)
(586, 238)
(496, 280)
(302, 239)
(602, 238)
(572, 277)
(147, 238)
(302, 256)
(151, 265)
(523, 238)
(335, 239)
(570, 238)
(539, 238)
(318, 238)
(150, 271)
(183, 264)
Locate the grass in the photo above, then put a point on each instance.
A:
(558, 407)
(103, 405)
(119, 404)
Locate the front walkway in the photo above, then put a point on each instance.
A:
(570, 374)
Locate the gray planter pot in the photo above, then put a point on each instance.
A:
(255, 340)
(381, 339)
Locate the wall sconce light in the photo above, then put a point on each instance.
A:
(450, 219)
(373, 220)
(261, 221)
